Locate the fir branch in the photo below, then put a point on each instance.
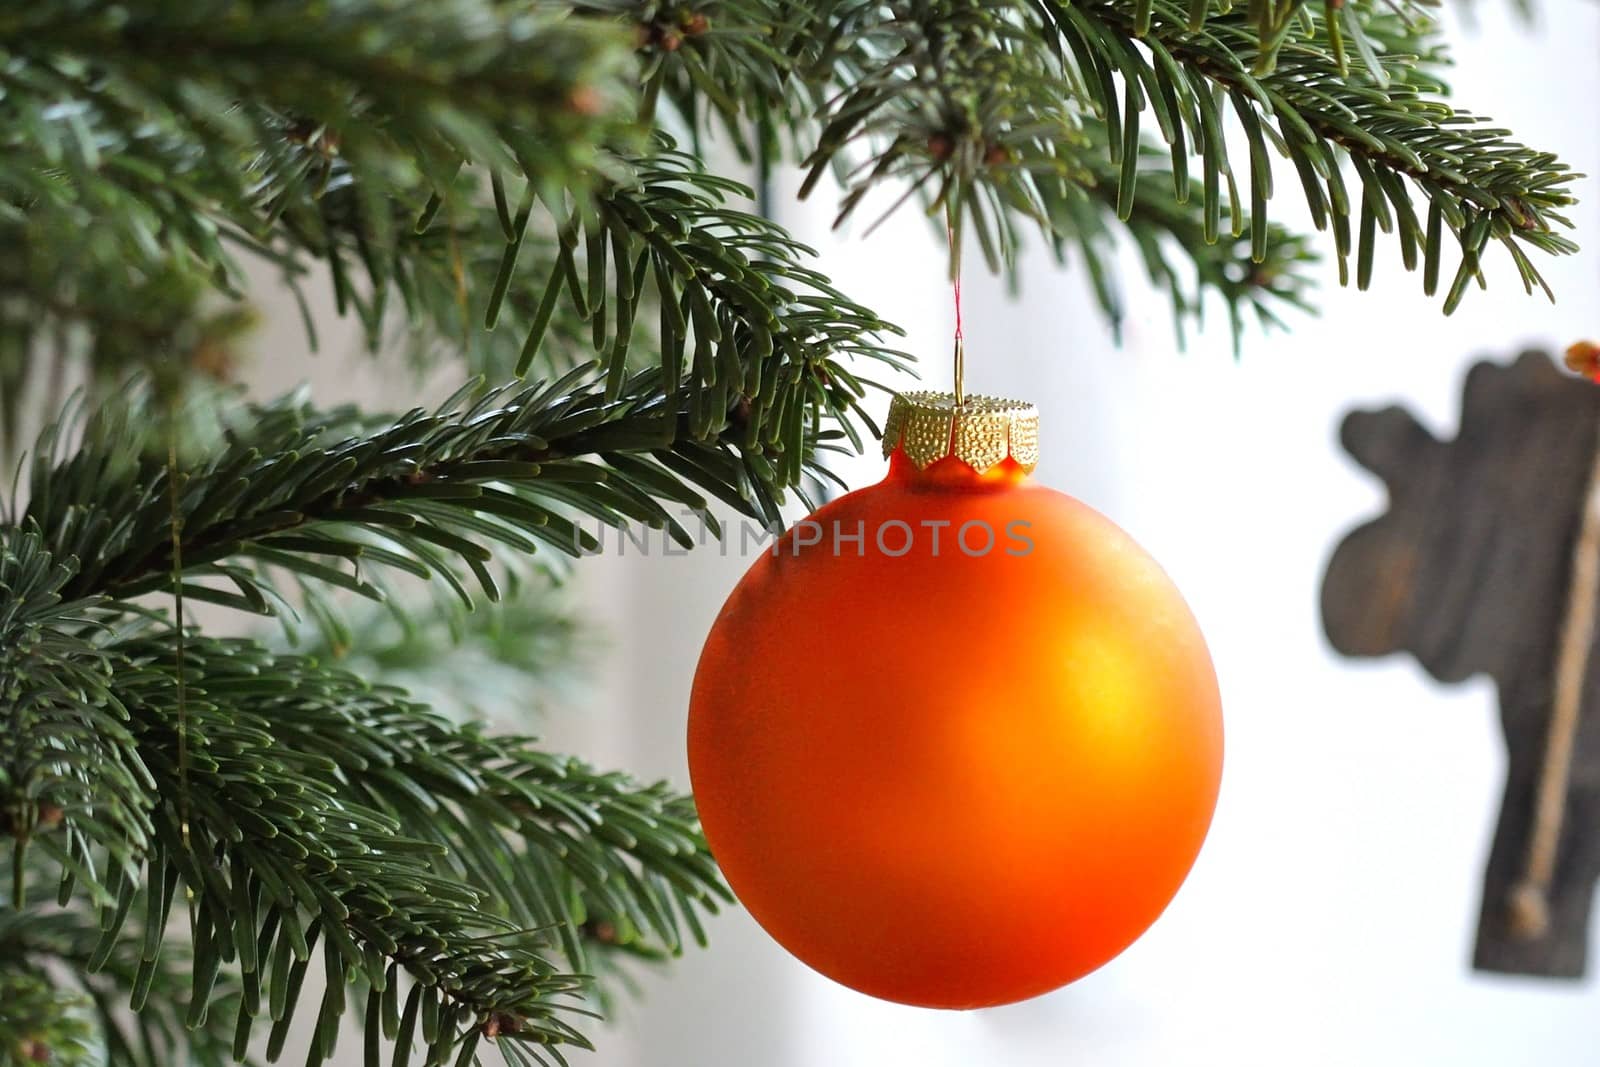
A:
(446, 274)
(69, 759)
(142, 142)
(319, 807)
(743, 319)
(720, 62)
(980, 105)
(1401, 141)
(301, 491)
(631, 275)
(299, 487)
(930, 118)
(961, 104)
(64, 954)
(1163, 228)
(954, 98)
(496, 660)
(40, 1022)
(387, 87)
(279, 856)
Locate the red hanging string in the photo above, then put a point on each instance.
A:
(955, 283)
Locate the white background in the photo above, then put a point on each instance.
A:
(1329, 919)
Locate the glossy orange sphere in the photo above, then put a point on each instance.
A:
(955, 772)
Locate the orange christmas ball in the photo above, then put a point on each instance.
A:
(956, 738)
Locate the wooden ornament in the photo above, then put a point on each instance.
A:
(1488, 561)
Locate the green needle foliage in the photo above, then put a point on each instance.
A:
(518, 190)
(88, 1022)
(464, 662)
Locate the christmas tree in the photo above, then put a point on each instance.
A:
(515, 194)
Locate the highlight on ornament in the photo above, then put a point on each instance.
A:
(956, 779)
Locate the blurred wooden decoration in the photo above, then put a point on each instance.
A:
(1488, 561)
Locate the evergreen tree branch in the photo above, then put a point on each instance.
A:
(980, 106)
(301, 491)
(308, 491)
(279, 856)
(251, 105)
(62, 955)
(478, 663)
(144, 146)
(69, 759)
(1163, 228)
(955, 103)
(1398, 138)
(317, 807)
(39, 1021)
(742, 318)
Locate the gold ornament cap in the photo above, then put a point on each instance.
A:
(980, 431)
